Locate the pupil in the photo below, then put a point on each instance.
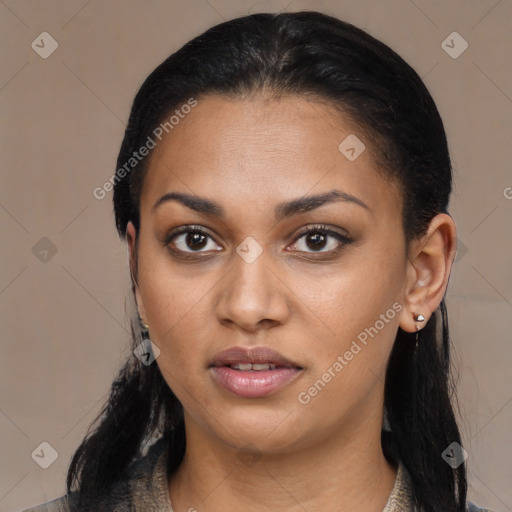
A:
(196, 240)
(317, 239)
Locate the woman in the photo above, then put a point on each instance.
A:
(283, 186)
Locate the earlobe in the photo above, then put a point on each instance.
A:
(429, 266)
(130, 235)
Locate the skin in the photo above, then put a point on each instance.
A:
(248, 155)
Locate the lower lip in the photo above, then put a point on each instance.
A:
(253, 384)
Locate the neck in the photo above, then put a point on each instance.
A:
(343, 473)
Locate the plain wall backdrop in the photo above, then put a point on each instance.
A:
(64, 278)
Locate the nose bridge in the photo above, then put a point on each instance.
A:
(251, 273)
(251, 291)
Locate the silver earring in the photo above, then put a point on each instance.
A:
(418, 318)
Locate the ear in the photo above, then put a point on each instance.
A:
(428, 271)
(131, 239)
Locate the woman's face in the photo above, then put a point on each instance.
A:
(327, 301)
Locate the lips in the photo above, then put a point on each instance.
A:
(253, 373)
(256, 356)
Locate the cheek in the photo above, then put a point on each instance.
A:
(350, 296)
(167, 290)
(350, 362)
(177, 322)
(176, 309)
(352, 313)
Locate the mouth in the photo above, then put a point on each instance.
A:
(253, 367)
(255, 359)
(253, 373)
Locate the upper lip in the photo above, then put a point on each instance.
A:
(259, 355)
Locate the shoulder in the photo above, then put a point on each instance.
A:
(144, 485)
(473, 508)
(61, 504)
(401, 498)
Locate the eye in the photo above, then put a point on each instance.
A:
(313, 239)
(191, 239)
(320, 238)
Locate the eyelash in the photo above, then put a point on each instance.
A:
(317, 228)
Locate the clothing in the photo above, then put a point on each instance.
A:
(146, 489)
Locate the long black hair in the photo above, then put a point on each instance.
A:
(308, 54)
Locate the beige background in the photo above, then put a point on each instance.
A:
(64, 327)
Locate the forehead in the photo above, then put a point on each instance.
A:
(245, 151)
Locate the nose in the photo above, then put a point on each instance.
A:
(251, 297)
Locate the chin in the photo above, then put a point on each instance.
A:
(268, 431)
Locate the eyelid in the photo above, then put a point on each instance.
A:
(187, 229)
(313, 228)
(344, 239)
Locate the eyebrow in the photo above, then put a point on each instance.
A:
(282, 210)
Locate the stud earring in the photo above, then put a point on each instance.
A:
(418, 318)
(144, 330)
